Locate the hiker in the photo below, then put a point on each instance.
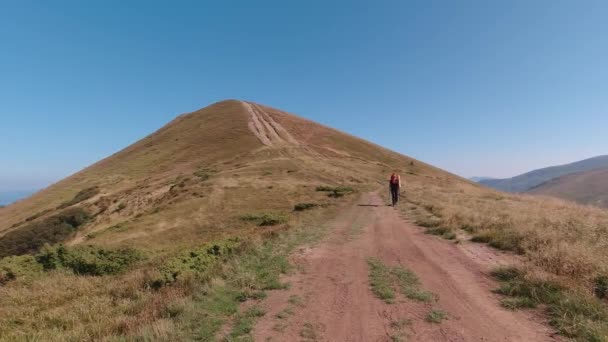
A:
(395, 186)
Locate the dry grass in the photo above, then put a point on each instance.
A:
(562, 238)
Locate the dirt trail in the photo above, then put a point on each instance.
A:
(265, 128)
(337, 303)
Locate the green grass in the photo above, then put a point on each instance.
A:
(445, 233)
(575, 315)
(436, 316)
(304, 206)
(385, 280)
(266, 219)
(380, 280)
(243, 324)
(335, 192)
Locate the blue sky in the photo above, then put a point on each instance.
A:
(475, 87)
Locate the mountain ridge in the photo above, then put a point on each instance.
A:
(528, 180)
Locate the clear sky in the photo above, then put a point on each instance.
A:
(489, 88)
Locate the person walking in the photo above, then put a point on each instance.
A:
(395, 187)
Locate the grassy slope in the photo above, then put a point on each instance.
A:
(585, 187)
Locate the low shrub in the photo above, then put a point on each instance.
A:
(82, 195)
(31, 237)
(335, 192)
(88, 260)
(197, 261)
(266, 219)
(304, 206)
(14, 267)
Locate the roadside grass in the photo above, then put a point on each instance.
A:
(380, 280)
(578, 316)
(385, 281)
(563, 241)
(244, 323)
(190, 296)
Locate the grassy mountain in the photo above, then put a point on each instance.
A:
(191, 178)
(163, 240)
(534, 178)
(589, 187)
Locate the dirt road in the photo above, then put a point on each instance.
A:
(330, 297)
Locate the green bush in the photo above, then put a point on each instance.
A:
(15, 267)
(601, 286)
(88, 260)
(341, 189)
(304, 206)
(83, 195)
(31, 237)
(335, 192)
(266, 219)
(197, 261)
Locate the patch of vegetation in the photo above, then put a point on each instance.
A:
(500, 239)
(243, 323)
(335, 192)
(575, 315)
(309, 332)
(88, 260)
(436, 316)
(384, 280)
(304, 206)
(601, 286)
(380, 280)
(295, 300)
(266, 219)
(409, 284)
(31, 237)
(445, 233)
(82, 195)
(198, 262)
(285, 313)
(22, 266)
(203, 174)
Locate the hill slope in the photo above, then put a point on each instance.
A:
(534, 178)
(589, 187)
(188, 180)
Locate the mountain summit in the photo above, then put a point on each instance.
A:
(189, 178)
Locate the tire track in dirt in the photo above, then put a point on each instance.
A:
(266, 129)
(338, 305)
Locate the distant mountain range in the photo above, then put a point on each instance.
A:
(529, 180)
(585, 181)
(590, 187)
(479, 179)
(8, 197)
